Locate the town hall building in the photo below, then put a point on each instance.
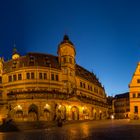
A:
(39, 86)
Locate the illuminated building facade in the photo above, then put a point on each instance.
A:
(121, 105)
(134, 94)
(42, 86)
(110, 106)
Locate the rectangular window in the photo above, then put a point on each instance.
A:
(134, 95)
(135, 109)
(40, 76)
(65, 71)
(28, 75)
(96, 90)
(138, 95)
(19, 77)
(138, 80)
(52, 76)
(70, 73)
(14, 64)
(45, 76)
(64, 60)
(80, 84)
(70, 59)
(10, 78)
(0, 79)
(91, 88)
(57, 78)
(14, 77)
(84, 86)
(32, 75)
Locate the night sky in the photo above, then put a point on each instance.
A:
(106, 34)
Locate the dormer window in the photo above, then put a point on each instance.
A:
(31, 60)
(46, 58)
(47, 61)
(14, 64)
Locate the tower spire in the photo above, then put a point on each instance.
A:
(15, 52)
(14, 48)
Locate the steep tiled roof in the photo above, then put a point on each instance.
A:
(32, 59)
(85, 74)
(123, 95)
(66, 40)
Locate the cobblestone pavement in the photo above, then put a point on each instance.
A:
(92, 130)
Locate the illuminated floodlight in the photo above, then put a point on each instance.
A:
(83, 107)
(18, 107)
(46, 106)
(59, 106)
(112, 117)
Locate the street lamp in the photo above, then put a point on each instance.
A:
(112, 117)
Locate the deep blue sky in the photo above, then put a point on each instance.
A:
(106, 34)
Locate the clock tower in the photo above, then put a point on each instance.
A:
(66, 56)
(66, 53)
